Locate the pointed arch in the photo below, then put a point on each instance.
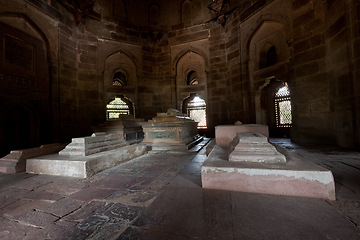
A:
(186, 11)
(154, 14)
(188, 50)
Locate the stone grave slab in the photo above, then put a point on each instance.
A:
(15, 161)
(224, 134)
(171, 131)
(254, 147)
(295, 177)
(86, 156)
(126, 126)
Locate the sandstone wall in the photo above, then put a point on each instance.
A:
(317, 56)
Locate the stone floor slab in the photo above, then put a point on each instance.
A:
(11, 195)
(42, 195)
(60, 232)
(92, 208)
(174, 206)
(10, 230)
(207, 217)
(117, 181)
(62, 207)
(135, 233)
(35, 219)
(261, 216)
(89, 194)
(23, 206)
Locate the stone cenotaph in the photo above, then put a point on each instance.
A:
(171, 131)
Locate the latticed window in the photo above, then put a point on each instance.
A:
(196, 110)
(115, 108)
(283, 107)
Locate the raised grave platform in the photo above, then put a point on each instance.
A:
(224, 134)
(171, 131)
(254, 147)
(126, 126)
(86, 156)
(295, 177)
(15, 161)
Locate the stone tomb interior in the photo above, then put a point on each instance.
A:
(69, 66)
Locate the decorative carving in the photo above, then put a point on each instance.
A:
(217, 7)
(80, 8)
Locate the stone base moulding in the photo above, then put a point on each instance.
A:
(298, 177)
(83, 166)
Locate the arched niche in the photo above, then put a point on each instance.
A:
(154, 14)
(186, 11)
(119, 10)
(26, 85)
(268, 54)
(116, 65)
(190, 64)
(269, 35)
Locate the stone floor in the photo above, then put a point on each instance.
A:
(159, 196)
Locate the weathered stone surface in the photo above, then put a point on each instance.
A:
(89, 194)
(42, 195)
(35, 218)
(224, 134)
(171, 131)
(127, 127)
(61, 207)
(16, 161)
(254, 147)
(298, 177)
(83, 166)
(98, 142)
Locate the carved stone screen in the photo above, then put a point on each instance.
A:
(283, 107)
(117, 107)
(197, 111)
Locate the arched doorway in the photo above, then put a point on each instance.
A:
(25, 87)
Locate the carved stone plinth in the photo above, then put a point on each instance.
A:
(171, 131)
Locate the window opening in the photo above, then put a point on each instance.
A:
(191, 78)
(119, 79)
(268, 56)
(196, 110)
(116, 107)
(283, 107)
(271, 57)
